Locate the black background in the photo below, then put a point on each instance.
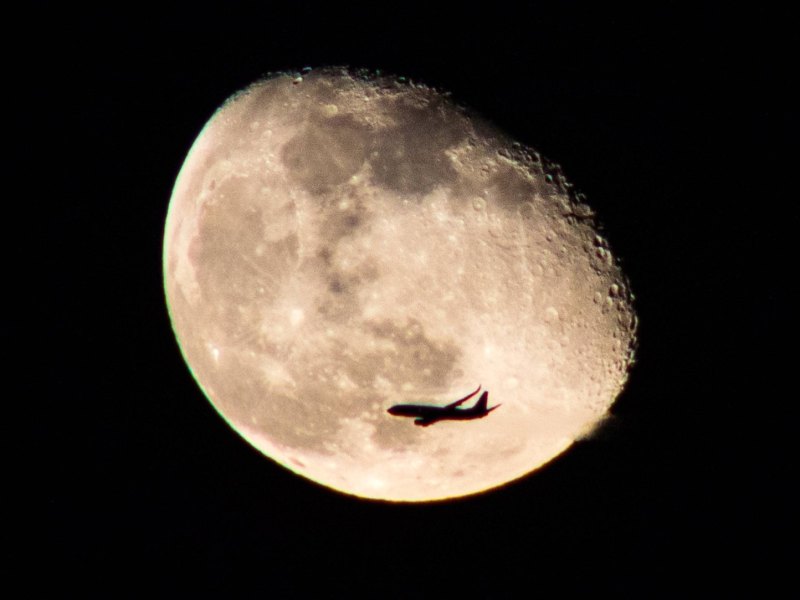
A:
(673, 120)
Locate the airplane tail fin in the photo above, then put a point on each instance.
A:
(480, 405)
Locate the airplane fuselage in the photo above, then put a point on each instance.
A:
(436, 412)
(427, 415)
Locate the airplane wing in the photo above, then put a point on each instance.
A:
(464, 399)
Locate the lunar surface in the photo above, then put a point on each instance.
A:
(338, 243)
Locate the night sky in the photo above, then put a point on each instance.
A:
(674, 122)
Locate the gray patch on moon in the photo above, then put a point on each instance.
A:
(506, 189)
(325, 153)
(345, 215)
(402, 162)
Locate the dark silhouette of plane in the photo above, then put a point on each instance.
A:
(428, 415)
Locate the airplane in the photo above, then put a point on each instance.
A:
(428, 415)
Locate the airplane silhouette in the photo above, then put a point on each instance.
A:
(428, 415)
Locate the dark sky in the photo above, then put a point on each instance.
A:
(673, 121)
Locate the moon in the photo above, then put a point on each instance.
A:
(339, 242)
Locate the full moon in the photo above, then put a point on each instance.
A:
(339, 242)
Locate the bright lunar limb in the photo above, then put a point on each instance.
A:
(337, 243)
